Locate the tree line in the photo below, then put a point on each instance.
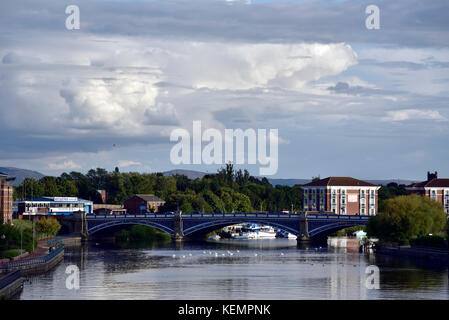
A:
(228, 190)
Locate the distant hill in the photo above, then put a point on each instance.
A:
(191, 174)
(288, 182)
(387, 181)
(20, 174)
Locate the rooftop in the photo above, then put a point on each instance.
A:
(339, 182)
(57, 199)
(433, 183)
(149, 197)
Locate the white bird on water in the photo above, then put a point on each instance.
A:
(282, 253)
(174, 256)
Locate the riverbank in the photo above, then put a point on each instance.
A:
(43, 259)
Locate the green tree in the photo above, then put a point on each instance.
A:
(389, 191)
(407, 217)
(48, 226)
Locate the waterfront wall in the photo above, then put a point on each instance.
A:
(10, 284)
(424, 253)
(35, 265)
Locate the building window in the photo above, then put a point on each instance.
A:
(433, 194)
(343, 201)
(334, 200)
(313, 199)
(322, 199)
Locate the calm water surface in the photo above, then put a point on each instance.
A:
(252, 269)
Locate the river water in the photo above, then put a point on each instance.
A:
(234, 269)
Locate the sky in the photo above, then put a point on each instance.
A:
(346, 100)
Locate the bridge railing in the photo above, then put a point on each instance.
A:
(228, 215)
(194, 215)
(337, 216)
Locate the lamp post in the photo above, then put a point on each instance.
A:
(3, 238)
(21, 237)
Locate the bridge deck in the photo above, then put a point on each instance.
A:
(230, 215)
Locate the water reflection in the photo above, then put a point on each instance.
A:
(226, 269)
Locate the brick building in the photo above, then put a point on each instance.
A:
(6, 195)
(341, 195)
(434, 188)
(142, 203)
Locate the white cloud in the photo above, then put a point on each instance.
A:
(67, 164)
(128, 163)
(226, 66)
(413, 114)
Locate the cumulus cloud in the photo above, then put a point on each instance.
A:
(285, 65)
(244, 66)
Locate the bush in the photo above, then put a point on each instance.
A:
(9, 254)
(12, 238)
(48, 226)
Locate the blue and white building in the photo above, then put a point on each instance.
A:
(52, 206)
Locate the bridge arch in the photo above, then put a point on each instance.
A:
(209, 226)
(109, 224)
(330, 228)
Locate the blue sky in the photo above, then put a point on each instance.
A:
(347, 101)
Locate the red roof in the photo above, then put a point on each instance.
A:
(434, 183)
(339, 182)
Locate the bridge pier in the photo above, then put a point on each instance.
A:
(303, 237)
(178, 234)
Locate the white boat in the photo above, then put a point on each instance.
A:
(244, 235)
(265, 232)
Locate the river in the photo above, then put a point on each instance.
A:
(233, 269)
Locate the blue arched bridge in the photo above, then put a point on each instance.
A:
(304, 226)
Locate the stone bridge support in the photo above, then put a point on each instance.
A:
(76, 224)
(303, 236)
(178, 232)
